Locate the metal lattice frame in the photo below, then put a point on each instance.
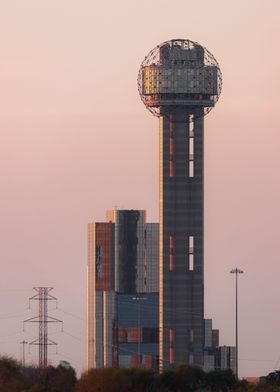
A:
(153, 58)
(43, 319)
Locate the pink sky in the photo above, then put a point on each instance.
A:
(76, 140)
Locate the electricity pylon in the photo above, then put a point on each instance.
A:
(43, 319)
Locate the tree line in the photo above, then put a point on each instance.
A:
(16, 378)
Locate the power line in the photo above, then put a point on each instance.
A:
(257, 360)
(74, 337)
(13, 315)
(71, 314)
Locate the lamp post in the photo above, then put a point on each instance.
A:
(236, 271)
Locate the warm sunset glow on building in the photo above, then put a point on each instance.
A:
(180, 82)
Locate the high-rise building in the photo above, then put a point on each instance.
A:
(122, 291)
(211, 343)
(209, 351)
(226, 358)
(215, 337)
(180, 81)
(217, 357)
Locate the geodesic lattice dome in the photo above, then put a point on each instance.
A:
(179, 73)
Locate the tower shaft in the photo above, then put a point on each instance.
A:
(43, 327)
(181, 237)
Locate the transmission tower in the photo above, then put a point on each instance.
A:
(43, 296)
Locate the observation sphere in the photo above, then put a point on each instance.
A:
(179, 73)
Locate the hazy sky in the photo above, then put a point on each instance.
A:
(76, 140)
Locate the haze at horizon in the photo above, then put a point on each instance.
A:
(76, 140)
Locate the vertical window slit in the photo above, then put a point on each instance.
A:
(191, 146)
(191, 266)
(191, 125)
(191, 169)
(171, 148)
(171, 253)
(191, 253)
(171, 346)
(191, 336)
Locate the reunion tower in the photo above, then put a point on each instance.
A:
(180, 81)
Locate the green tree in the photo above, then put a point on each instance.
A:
(116, 380)
(183, 378)
(11, 379)
(57, 379)
(223, 380)
(96, 380)
(15, 378)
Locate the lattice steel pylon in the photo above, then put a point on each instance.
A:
(43, 296)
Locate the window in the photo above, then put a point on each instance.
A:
(171, 148)
(191, 243)
(171, 253)
(171, 346)
(191, 168)
(191, 335)
(191, 263)
(191, 253)
(191, 146)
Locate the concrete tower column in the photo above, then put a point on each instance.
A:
(180, 82)
(181, 238)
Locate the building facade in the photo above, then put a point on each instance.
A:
(226, 358)
(122, 291)
(217, 357)
(211, 343)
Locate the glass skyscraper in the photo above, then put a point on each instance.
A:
(122, 291)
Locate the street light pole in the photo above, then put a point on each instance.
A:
(22, 344)
(236, 271)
